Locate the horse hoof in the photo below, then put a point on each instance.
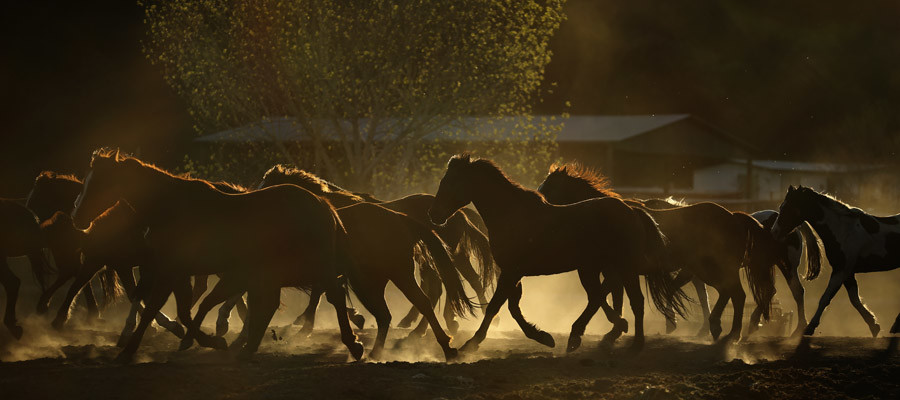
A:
(186, 343)
(405, 323)
(545, 339)
(574, 343)
(469, 347)
(670, 326)
(715, 331)
(58, 324)
(356, 350)
(622, 325)
(809, 331)
(452, 327)
(218, 343)
(16, 331)
(124, 358)
(451, 354)
(359, 321)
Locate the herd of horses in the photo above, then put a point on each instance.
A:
(298, 230)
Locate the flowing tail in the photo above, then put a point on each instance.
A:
(665, 292)
(460, 303)
(112, 289)
(759, 262)
(475, 243)
(813, 251)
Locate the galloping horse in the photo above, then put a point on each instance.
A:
(260, 241)
(854, 241)
(20, 235)
(792, 250)
(381, 244)
(705, 240)
(459, 233)
(530, 237)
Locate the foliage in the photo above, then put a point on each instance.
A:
(363, 83)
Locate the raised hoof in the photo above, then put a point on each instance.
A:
(452, 327)
(356, 350)
(358, 320)
(671, 325)
(715, 331)
(621, 325)
(875, 328)
(545, 339)
(574, 343)
(221, 328)
(451, 354)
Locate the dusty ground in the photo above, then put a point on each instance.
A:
(510, 367)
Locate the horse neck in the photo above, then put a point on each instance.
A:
(152, 193)
(496, 199)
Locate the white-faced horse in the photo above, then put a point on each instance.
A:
(854, 242)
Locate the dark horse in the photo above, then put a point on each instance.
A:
(530, 237)
(854, 242)
(53, 192)
(381, 244)
(706, 241)
(460, 233)
(260, 241)
(20, 235)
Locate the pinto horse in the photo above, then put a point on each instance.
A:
(854, 241)
(20, 235)
(705, 240)
(460, 234)
(260, 241)
(530, 237)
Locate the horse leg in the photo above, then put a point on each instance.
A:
(309, 315)
(201, 283)
(433, 292)
(11, 282)
(39, 265)
(412, 291)
(154, 301)
(703, 297)
(853, 293)
(636, 299)
(798, 293)
(44, 301)
(468, 272)
(91, 300)
(373, 300)
(738, 297)
(84, 275)
(413, 314)
(592, 285)
(715, 316)
(224, 314)
(338, 298)
(834, 283)
(620, 325)
(224, 290)
(505, 284)
(530, 330)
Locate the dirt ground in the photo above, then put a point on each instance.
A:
(507, 366)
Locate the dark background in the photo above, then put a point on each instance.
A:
(804, 80)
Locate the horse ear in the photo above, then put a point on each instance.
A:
(791, 188)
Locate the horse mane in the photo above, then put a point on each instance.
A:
(229, 187)
(105, 153)
(51, 175)
(828, 198)
(312, 180)
(494, 172)
(586, 175)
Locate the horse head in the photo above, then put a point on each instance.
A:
(101, 188)
(454, 191)
(799, 205)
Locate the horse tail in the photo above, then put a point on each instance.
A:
(813, 251)
(477, 244)
(459, 301)
(112, 289)
(758, 264)
(665, 292)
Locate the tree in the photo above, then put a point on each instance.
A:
(369, 84)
